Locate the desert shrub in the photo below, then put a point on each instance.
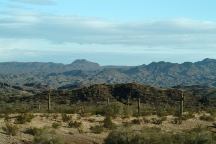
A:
(34, 131)
(108, 123)
(55, 116)
(199, 135)
(155, 136)
(136, 121)
(187, 116)
(1, 115)
(6, 117)
(157, 121)
(10, 129)
(46, 115)
(176, 120)
(97, 129)
(65, 117)
(56, 125)
(145, 120)
(145, 112)
(214, 124)
(205, 117)
(127, 112)
(91, 120)
(114, 110)
(74, 124)
(47, 138)
(127, 136)
(211, 111)
(161, 112)
(24, 118)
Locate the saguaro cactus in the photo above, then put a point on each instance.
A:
(128, 98)
(182, 103)
(49, 100)
(108, 101)
(138, 106)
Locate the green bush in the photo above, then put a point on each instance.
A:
(158, 121)
(34, 131)
(205, 117)
(177, 120)
(145, 120)
(155, 136)
(97, 129)
(114, 110)
(214, 124)
(108, 123)
(74, 124)
(6, 117)
(136, 121)
(65, 117)
(127, 112)
(10, 129)
(187, 116)
(55, 116)
(47, 138)
(24, 118)
(56, 125)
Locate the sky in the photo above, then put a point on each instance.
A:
(109, 32)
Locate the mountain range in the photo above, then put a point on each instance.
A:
(83, 73)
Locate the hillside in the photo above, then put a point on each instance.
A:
(194, 96)
(83, 73)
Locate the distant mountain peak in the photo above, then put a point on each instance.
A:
(83, 61)
(209, 60)
(83, 64)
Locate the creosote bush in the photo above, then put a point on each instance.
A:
(34, 131)
(108, 123)
(177, 120)
(158, 121)
(97, 129)
(47, 137)
(56, 125)
(74, 124)
(205, 117)
(24, 118)
(156, 136)
(188, 115)
(114, 110)
(10, 129)
(65, 117)
(136, 121)
(127, 112)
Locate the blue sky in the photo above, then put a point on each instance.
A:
(110, 32)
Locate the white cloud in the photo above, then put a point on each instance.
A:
(36, 2)
(35, 34)
(81, 30)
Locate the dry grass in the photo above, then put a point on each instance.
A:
(90, 129)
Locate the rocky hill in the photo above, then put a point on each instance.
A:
(194, 95)
(84, 73)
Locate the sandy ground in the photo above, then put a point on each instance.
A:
(73, 136)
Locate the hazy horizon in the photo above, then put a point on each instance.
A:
(109, 32)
